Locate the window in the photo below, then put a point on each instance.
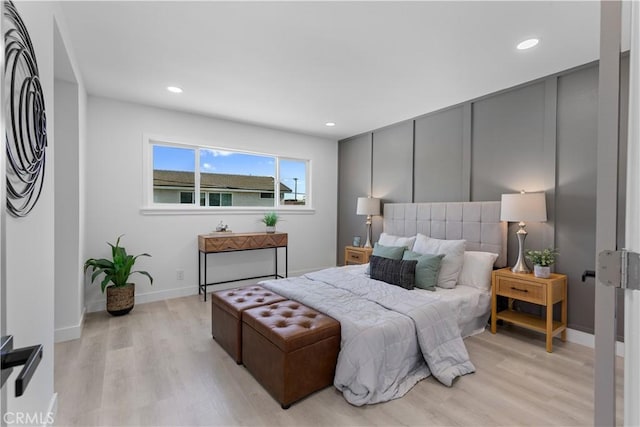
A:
(217, 199)
(186, 197)
(226, 178)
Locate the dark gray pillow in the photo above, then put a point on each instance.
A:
(394, 271)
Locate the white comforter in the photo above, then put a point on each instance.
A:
(391, 337)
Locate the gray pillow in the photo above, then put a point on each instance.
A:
(393, 271)
(427, 268)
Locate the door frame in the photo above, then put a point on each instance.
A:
(3, 213)
(606, 209)
(632, 230)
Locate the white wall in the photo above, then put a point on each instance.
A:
(30, 242)
(70, 133)
(67, 307)
(114, 198)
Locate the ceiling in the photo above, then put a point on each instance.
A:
(298, 65)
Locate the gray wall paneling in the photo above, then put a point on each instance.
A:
(354, 180)
(508, 140)
(576, 189)
(438, 159)
(392, 179)
(540, 136)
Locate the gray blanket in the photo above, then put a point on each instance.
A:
(391, 337)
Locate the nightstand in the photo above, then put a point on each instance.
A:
(527, 287)
(356, 255)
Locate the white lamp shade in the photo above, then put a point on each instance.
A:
(368, 206)
(525, 207)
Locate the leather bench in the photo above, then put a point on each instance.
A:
(291, 349)
(226, 314)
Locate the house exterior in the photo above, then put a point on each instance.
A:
(217, 189)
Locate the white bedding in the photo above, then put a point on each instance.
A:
(472, 306)
(391, 338)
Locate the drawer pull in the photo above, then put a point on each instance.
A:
(513, 288)
(354, 256)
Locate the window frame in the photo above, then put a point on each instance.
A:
(151, 207)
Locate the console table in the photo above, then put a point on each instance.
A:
(234, 242)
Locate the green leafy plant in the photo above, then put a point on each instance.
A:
(116, 270)
(544, 258)
(270, 219)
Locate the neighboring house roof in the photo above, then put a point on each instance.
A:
(162, 178)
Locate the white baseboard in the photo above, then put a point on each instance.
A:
(49, 420)
(588, 340)
(141, 298)
(71, 332)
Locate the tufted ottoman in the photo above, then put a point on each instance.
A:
(290, 349)
(226, 314)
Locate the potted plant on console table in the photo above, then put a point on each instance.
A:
(542, 261)
(120, 293)
(270, 219)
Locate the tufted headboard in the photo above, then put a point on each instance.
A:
(476, 222)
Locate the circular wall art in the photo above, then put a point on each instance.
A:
(26, 123)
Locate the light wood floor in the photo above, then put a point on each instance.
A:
(159, 366)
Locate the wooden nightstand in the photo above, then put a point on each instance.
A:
(527, 287)
(356, 255)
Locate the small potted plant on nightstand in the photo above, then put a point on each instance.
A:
(116, 271)
(270, 219)
(542, 261)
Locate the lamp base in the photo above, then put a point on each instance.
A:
(520, 266)
(368, 242)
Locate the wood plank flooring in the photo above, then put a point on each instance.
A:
(159, 366)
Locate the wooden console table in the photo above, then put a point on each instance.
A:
(235, 242)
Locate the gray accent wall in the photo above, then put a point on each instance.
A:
(576, 189)
(354, 180)
(392, 179)
(539, 136)
(438, 158)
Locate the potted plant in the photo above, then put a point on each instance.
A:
(116, 271)
(270, 219)
(542, 260)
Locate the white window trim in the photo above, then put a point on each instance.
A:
(150, 208)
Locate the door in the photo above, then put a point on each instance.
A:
(606, 227)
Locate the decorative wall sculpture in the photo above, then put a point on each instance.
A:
(26, 123)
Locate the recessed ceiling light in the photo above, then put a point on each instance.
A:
(330, 124)
(527, 44)
(174, 89)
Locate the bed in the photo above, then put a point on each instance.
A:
(393, 337)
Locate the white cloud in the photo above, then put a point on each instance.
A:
(216, 153)
(208, 166)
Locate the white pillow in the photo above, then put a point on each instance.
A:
(476, 270)
(390, 240)
(451, 265)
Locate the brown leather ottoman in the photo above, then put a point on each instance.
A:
(226, 314)
(291, 349)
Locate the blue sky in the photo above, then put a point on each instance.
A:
(219, 161)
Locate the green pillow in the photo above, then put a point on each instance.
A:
(427, 268)
(392, 252)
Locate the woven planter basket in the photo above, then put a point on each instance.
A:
(120, 301)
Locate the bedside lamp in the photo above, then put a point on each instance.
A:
(368, 206)
(529, 207)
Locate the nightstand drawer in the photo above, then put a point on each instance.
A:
(522, 290)
(355, 257)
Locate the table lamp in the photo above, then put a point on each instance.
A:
(368, 206)
(523, 207)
